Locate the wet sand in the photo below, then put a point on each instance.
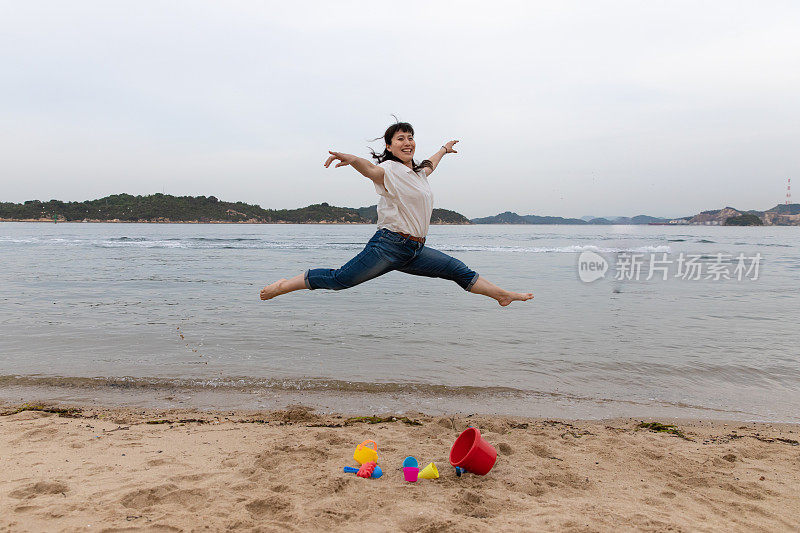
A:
(126, 469)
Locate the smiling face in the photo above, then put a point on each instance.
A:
(403, 146)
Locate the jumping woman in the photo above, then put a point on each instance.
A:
(404, 214)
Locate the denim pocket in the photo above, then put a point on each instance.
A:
(394, 238)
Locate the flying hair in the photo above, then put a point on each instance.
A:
(386, 155)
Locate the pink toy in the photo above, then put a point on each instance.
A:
(410, 469)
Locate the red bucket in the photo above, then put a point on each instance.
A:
(472, 453)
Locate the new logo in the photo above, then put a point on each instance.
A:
(591, 266)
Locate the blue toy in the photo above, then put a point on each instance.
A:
(353, 470)
(410, 469)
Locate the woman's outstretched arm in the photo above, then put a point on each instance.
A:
(364, 167)
(447, 148)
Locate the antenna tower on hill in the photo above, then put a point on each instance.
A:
(788, 191)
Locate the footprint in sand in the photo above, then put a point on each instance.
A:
(25, 508)
(445, 423)
(539, 450)
(336, 485)
(39, 434)
(411, 524)
(474, 505)
(165, 494)
(40, 488)
(267, 506)
(471, 498)
(750, 491)
(154, 528)
(335, 440)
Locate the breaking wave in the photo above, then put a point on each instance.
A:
(264, 244)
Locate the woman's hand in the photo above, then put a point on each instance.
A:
(364, 167)
(435, 158)
(448, 147)
(344, 159)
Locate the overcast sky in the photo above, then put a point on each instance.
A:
(562, 108)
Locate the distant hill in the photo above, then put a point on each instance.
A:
(506, 217)
(640, 219)
(780, 215)
(715, 216)
(168, 208)
(604, 217)
(785, 209)
(439, 216)
(509, 217)
(744, 220)
(512, 218)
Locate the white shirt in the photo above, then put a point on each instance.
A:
(406, 202)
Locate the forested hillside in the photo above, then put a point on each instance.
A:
(168, 208)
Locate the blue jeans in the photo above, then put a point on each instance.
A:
(387, 251)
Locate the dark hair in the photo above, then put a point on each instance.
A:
(404, 127)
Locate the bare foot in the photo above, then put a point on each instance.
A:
(275, 289)
(514, 296)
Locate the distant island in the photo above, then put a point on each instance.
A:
(199, 209)
(780, 215)
(744, 220)
(512, 218)
(165, 208)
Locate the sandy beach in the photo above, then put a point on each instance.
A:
(112, 469)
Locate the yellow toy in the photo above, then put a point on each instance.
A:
(429, 472)
(365, 454)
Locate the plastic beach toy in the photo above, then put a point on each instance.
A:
(410, 469)
(367, 469)
(365, 454)
(353, 470)
(472, 453)
(429, 472)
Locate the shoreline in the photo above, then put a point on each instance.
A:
(334, 223)
(353, 399)
(128, 469)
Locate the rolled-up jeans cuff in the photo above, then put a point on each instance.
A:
(305, 279)
(471, 283)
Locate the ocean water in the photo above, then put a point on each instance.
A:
(169, 315)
